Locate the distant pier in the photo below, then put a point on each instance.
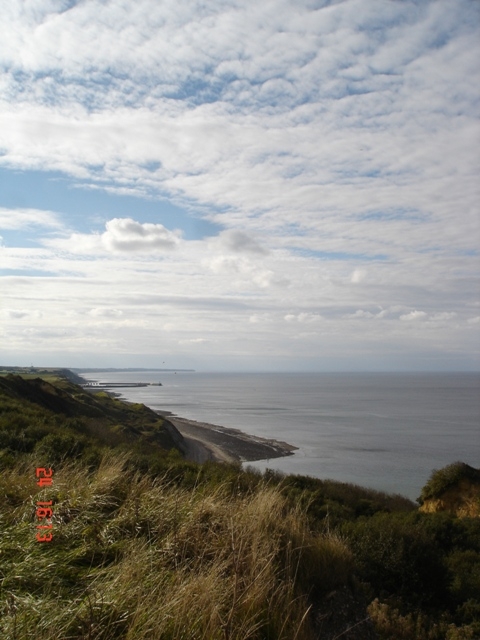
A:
(119, 385)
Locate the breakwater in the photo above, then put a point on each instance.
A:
(119, 385)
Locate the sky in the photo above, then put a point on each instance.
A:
(234, 185)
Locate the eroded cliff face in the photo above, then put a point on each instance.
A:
(462, 500)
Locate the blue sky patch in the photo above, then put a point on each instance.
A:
(87, 209)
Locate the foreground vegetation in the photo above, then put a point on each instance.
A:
(148, 546)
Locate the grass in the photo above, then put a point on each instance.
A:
(150, 546)
(136, 557)
(390, 624)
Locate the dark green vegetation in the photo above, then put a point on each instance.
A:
(149, 546)
(447, 478)
(57, 420)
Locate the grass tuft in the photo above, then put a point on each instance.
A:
(140, 557)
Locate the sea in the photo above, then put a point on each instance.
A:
(385, 431)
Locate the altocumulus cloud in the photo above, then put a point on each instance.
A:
(335, 145)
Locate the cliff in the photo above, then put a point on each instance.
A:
(34, 409)
(454, 489)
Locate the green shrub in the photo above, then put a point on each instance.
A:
(443, 479)
(464, 568)
(399, 557)
(56, 448)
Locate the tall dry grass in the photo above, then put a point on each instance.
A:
(139, 558)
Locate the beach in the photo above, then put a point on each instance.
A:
(206, 441)
(382, 431)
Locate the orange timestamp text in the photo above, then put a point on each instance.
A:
(44, 510)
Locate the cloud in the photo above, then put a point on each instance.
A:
(239, 242)
(237, 253)
(125, 234)
(258, 318)
(358, 275)
(20, 314)
(122, 236)
(14, 219)
(443, 316)
(413, 316)
(360, 313)
(244, 269)
(304, 317)
(99, 312)
(334, 144)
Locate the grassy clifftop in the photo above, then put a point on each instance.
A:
(148, 546)
(59, 420)
(51, 374)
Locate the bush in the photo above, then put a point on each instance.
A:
(56, 448)
(443, 479)
(398, 556)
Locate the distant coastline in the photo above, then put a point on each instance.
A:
(126, 369)
(203, 441)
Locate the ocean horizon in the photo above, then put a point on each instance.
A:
(385, 431)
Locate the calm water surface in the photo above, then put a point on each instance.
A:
(385, 431)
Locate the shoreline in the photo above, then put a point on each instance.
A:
(205, 441)
(211, 442)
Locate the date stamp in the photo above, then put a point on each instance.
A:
(44, 510)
